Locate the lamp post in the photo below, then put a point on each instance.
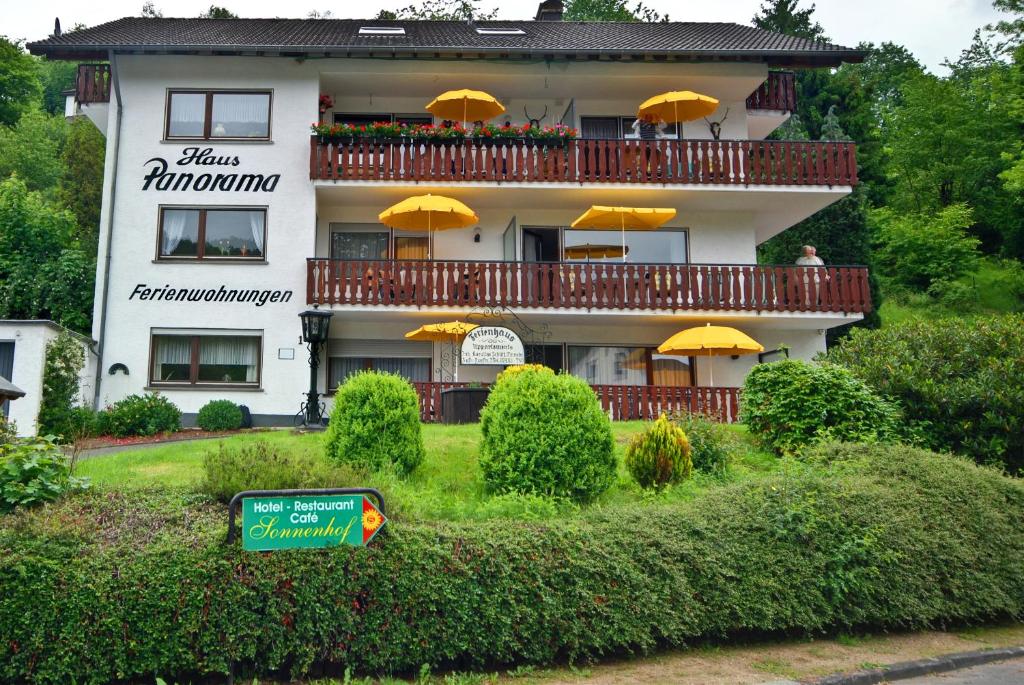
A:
(314, 332)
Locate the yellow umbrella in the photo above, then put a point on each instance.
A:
(451, 332)
(678, 105)
(432, 212)
(472, 105)
(611, 218)
(443, 332)
(588, 251)
(712, 341)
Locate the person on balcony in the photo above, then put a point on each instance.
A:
(647, 128)
(810, 259)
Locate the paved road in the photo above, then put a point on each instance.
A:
(1000, 673)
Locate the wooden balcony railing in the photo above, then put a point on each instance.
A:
(588, 285)
(778, 92)
(688, 162)
(92, 83)
(621, 402)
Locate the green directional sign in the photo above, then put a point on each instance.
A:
(272, 523)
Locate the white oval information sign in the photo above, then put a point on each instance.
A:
(492, 346)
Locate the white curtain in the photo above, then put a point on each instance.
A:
(188, 110)
(171, 350)
(173, 230)
(240, 114)
(256, 222)
(225, 351)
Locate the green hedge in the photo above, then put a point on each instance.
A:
(879, 537)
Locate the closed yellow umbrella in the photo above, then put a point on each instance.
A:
(710, 341)
(678, 105)
(588, 251)
(430, 213)
(452, 332)
(465, 105)
(442, 332)
(604, 218)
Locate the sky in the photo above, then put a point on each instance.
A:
(932, 29)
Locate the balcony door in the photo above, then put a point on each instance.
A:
(541, 244)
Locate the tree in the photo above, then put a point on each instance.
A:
(19, 81)
(785, 16)
(32, 149)
(218, 13)
(149, 11)
(81, 183)
(56, 76)
(610, 10)
(444, 10)
(43, 272)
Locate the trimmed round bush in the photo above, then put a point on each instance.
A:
(792, 405)
(659, 456)
(376, 421)
(545, 434)
(510, 371)
(219, 415)
(146, 414)
(711, 444)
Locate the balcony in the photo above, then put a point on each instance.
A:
(662, 162)
(589, 286)
(92, 84)
(776, 93)
(621, 402)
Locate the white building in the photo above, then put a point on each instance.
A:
(22, 361)
(223, 218)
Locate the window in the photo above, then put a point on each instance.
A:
(609, 365)
(201, 233)
(671, 370)
(211, 115)
(500, 32)
(667, 246)
(617, 127)
(209, 359)
(353, 119)
(356, 241)
(381, 31)
(414, 370)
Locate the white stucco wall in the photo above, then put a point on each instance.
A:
(30, 339)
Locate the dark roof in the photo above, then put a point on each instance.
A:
(696, 41)
(9, 390)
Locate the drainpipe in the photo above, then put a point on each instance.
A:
(101, 347)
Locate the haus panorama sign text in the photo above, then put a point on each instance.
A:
(492, 346)
(195, 175)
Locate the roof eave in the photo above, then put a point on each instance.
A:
(781, 58)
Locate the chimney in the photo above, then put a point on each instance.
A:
(549, 10)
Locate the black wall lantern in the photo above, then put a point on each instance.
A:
(315, 324)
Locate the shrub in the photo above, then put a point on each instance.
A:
(660, 455)
(711, 444)
(960, 382)
(790, 405)
(146, 414)
(33, 471)
(376, 421)
(510, 371)
(64, 361)
(219, 415)
(265, 466)
(884, 538)
(546, 435)
(8, 430)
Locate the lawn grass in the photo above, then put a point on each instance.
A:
(448, 485)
